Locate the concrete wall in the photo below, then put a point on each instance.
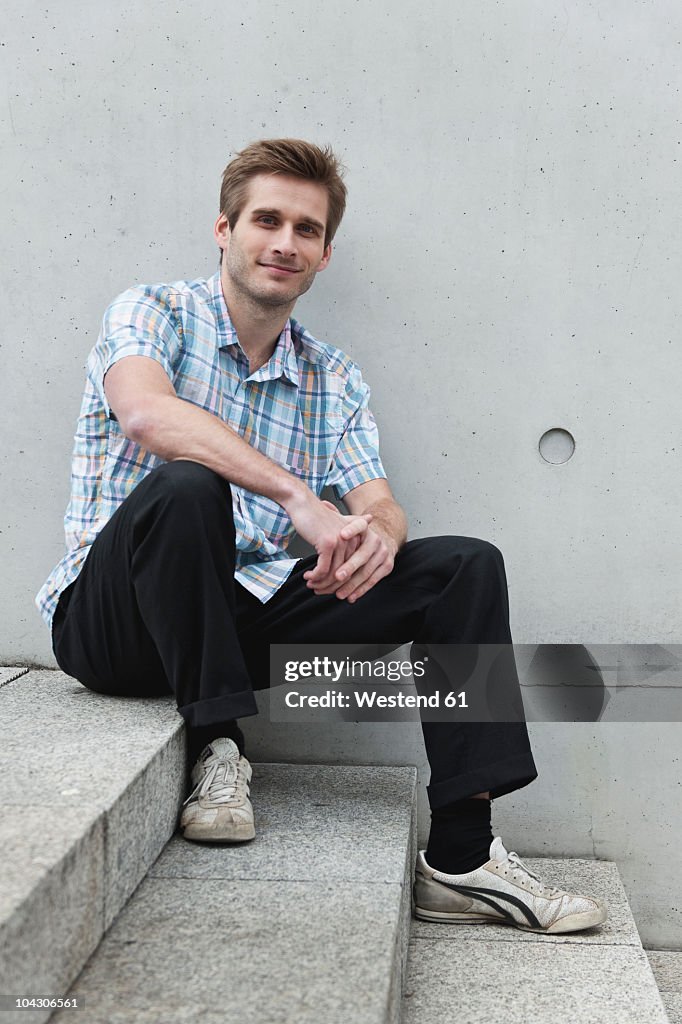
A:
(509, 263)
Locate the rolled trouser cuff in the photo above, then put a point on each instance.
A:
(498, 778)
(220, 709)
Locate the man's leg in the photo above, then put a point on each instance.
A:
(443, 590)
(153, 608)
(153, 611)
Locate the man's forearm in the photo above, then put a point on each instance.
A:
(175, 429)
(389, 518)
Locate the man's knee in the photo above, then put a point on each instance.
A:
(453, 554)
(187, 489)
(182, 475)
(477, 550)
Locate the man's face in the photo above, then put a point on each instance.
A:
(277, 245)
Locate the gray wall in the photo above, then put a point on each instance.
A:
(509, 263)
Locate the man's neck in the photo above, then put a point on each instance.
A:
(258, 328)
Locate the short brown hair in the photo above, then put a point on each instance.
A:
(284, 156)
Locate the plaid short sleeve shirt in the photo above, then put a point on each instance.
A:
(306, 409)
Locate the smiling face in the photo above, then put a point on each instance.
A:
(276, 247)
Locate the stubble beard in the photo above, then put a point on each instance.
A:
(237, 267)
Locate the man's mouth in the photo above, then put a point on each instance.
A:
(279, 268)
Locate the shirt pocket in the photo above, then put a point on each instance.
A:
(308, 451)
(312, 462)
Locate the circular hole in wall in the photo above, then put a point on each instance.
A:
(556, 446)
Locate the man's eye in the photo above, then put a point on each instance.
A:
(267, 220)
(307, 229)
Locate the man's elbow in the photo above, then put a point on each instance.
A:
(137, 425)
(141, 416)
(141, 422)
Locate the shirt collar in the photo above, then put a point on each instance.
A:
(282, 362)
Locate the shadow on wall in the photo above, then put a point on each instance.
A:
(564, 683)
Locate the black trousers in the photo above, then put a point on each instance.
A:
(156, 609)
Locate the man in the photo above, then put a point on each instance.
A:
(210, 424)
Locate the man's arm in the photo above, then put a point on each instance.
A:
(376, 498)
(377, 548)
(142, 397)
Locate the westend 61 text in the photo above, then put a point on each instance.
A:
(372, 699)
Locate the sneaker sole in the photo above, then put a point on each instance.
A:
(572, 923)
(234, 833)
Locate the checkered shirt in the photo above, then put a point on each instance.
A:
(306, 409)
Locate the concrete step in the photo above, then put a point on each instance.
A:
(313, 914)
(499, 975)
(8, 674)
(91, 787)
(667, 967)
(310, 922)
(307, 923)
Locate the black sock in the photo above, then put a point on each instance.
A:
(199, 736)
(460, 836)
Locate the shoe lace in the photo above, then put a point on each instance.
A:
(223, 783)
(519, 867)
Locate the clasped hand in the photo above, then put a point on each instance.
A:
(359, 558)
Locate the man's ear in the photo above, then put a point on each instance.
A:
(221, 231)
(326, 256)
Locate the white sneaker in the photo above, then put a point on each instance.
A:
(218, 809)
(502, 890)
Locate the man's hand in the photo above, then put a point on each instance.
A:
(334, 536)
(372, 560)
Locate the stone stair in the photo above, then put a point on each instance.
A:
(90, 792)
(499, 975)
(308, 923)
(667, 967)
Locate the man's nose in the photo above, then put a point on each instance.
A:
(284, 242)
